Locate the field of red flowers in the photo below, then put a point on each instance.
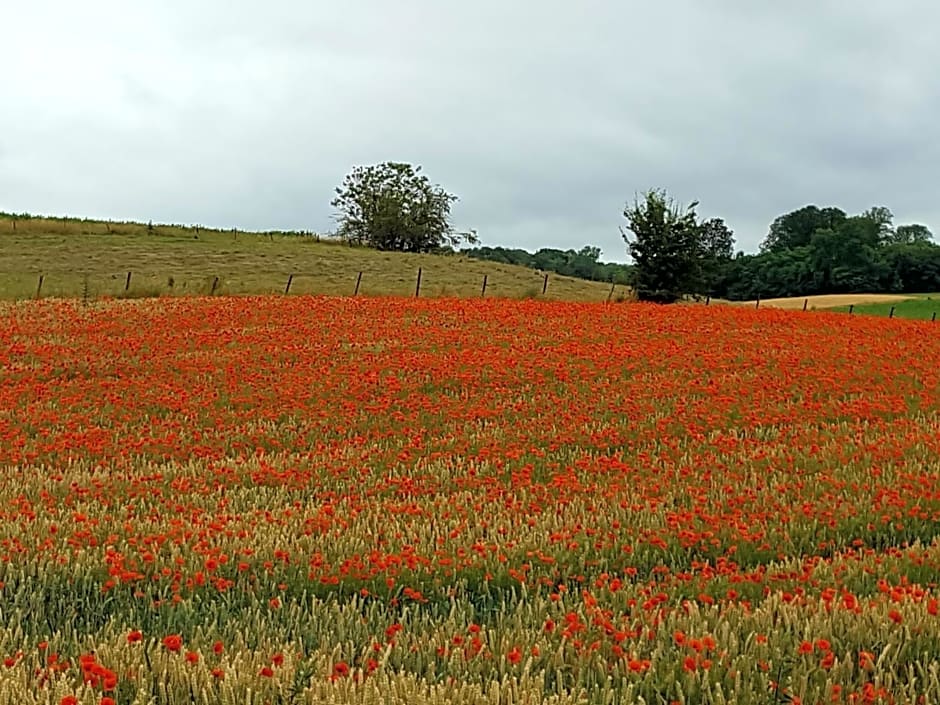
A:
(316, 500)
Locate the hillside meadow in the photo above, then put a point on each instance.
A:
(94, 259)
(335, 500)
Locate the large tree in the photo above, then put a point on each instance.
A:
(796, 229)
(668, 247)
(883, 220)
(392, 206)
(910, 234)
(716, 246)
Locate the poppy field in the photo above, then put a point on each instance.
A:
(273, 500)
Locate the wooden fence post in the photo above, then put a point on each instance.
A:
(891, 312)
(287, 288)
(934, 317)
(39, 286)
(483, 291)
(708, 300)
(757, 305)
(611, 292)
(358, 282)
(851, 308)
(127, 282)
(418, 285)
(805, 303)
(215, 283)
(544, 285)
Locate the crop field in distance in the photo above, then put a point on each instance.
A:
(282, 500)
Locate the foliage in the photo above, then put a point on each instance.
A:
(716, 245)
(582, 264)
(466, 502)
(824, 251)
(675, 255)
(796, 229)
(911, 234)
(392, 206)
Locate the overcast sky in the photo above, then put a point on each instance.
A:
(544, 117)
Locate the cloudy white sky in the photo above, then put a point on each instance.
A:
(543, 116)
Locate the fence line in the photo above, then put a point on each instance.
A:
(217, 282)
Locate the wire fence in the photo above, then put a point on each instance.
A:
(133, 285)
(136, 284)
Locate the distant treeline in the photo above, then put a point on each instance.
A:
(583, 264)
(808, 251)
(825, 251)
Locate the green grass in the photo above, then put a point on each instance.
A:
(79, 258)
(923, 306)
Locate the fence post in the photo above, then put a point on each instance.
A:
(14, 224)
(891, 312)
(611, 292)
(544, 285)
(127, 282)
(757, 305)
(215, 283)
(851, 308)
(287, 288)
(483, 291)
(934, 317)
(358, 282)
(418, 285)
(805, 303)
(708, 300)
(39, 286)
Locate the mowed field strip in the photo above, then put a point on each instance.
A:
(913, 306)
(830, 300)
(333, 500)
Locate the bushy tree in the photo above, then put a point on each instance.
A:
(716, 245)
(795, 229)
(915, 266)
(392, 206)
(666, 247)
(848, 259)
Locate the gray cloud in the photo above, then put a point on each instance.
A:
(544, 117)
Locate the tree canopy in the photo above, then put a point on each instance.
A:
(675, 255)
(795, 229)
(392, 206)
(825, 251)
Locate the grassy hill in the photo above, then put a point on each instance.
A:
(93, 258)
(922, 306)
